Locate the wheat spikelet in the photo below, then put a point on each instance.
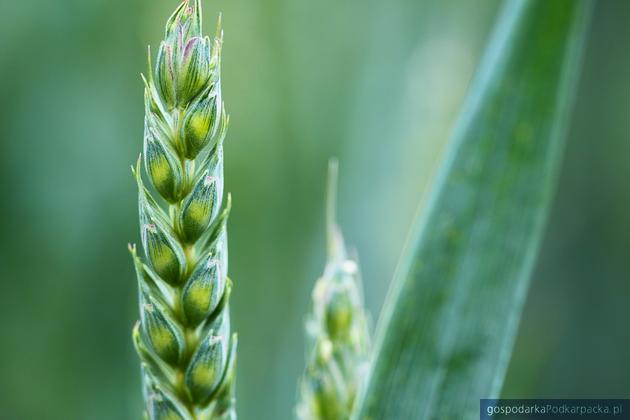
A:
(336, 330)
(183, 338)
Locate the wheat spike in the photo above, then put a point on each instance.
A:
(183, 338)
(336, 329)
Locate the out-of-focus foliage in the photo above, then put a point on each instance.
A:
(377, 84)
(337, 333)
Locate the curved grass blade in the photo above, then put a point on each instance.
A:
(449, 322)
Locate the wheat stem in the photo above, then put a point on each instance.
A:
(336, 328)
(331, 206)
(183, 337)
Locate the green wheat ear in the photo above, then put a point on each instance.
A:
(187, 352)
(336, 329)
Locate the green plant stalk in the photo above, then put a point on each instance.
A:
(187, 352)
(449, 322)
(336, 329)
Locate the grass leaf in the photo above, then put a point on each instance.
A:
(448, 325)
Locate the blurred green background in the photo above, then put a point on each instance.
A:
(377, 84)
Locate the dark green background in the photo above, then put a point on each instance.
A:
(377, 84)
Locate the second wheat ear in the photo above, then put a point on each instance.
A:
(183, 338)
(336, 329)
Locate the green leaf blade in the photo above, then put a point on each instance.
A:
(449, 322)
